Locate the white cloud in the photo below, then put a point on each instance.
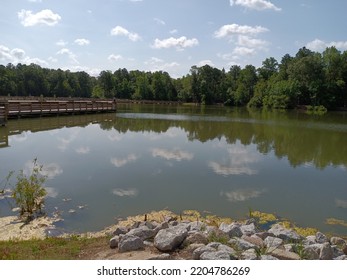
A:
(35, 60)
(83, 150)
(157, 64)
(125, 192)
(114, 57)
(35, 1)
(82, 42)
(255, 4)
(51, 192)
(236, 29)
(121, 31)
(61, 43)
(205, 62)
(46, 17)
(119, 162)
(178, 43)
(17, 55)
(159, 21)
(242, 195)
(249, 42)
(173, 31)
(70, 54)
(174, 154)
(319, 45)
(49, 170)
(243, 51)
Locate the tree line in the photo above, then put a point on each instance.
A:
(308, 78)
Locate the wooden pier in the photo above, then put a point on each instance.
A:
(16, 108)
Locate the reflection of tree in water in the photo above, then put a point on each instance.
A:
(300, 144)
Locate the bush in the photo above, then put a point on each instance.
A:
(29, 192)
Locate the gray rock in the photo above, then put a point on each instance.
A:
(114, 242)
(196, 237)
(142, 232)
(257, 241)
(273, 242)
(283, 233)
(130, 243)
(216, 255)
(341, 258)
(241, 244)
(249, 254)
(309, 240)
(120, 230)
(198, 226)
(232, 230)
(248, 229)
(345, 249)
(284, 255)
(170, 238)
(337, 252)
(268, 258)
(310, 253)
(163, 225)
(263, 234)
(337, 241)
(227, 249)
(321, 238)
(326, 252)
(199, 251)
(289, 247)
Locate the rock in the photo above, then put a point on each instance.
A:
(273, 242)
(283, 233)
(170, 238)
(214, 245)
(216, 255)
(227, 249)
(289, 247)
(249, 254)
(198, 226)
(232, 230)
(148, 224)
(248, 229)
(337, 241)
(326, 252)
(268, 258)
(310, 253)
(345, 249)
(321, 238)
(194, 246)
(130, 243)
(163, 225)
(263, 234)
(142, 232)
(114, 242)
(257, 241)
(196, 237)
(341, 258)
(199, 251)
(337, 252)
(309, 240)
(241, 244)
(120, 230)
(162, 257)
(284, 255)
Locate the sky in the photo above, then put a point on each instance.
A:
(165, 35)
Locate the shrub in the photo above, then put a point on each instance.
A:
(29, 192)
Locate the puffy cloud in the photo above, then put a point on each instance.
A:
(159, 21)
(49, 170)
(243, 51)
(178, 43)
(121, 31)
(70, 54)
(255, 4)
(205, 62)
(175, 154)
(119, 162)
(236, 29)
(125, 192)
(173, 31)
(61, 43)
(242, 195)
(157, 64)
(249, 42)
(319, 45)
(83, 150)
(114, 57)
(17, 55)
(82, 42)
(46, 17)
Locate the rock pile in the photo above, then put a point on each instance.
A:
(245, 241)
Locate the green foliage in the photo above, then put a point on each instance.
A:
(29, 192)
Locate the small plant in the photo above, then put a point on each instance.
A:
(29, 192)
(218, 237)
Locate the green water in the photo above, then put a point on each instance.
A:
(212, 159)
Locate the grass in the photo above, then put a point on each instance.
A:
(49, 248)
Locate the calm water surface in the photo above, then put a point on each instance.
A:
(214, 159)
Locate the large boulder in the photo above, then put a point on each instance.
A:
(321, 238)
(232, 230)
(284, 255)
(142, 232)
(248, 229)
(130, 243)
(170, 238)
(284, 233)
(273, 242)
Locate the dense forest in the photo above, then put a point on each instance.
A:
(308, 78)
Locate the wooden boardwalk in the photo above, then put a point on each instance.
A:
(16, 108)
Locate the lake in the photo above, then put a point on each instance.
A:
(213, 159)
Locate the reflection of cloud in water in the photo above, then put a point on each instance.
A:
(174, 154)
(21, 137)
(341, 203)
(125, 192)
(242, 195)
(114, 137)
(172, 132)
(119, 162)
(51, 192)
(65, 141)
(49, 170)
(237, 163)
(83, 150)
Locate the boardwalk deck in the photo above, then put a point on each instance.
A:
(33, 108)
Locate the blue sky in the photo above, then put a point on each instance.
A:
(168, 35)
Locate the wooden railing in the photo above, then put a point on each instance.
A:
(3, 112)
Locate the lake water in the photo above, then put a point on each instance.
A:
(215, 160)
